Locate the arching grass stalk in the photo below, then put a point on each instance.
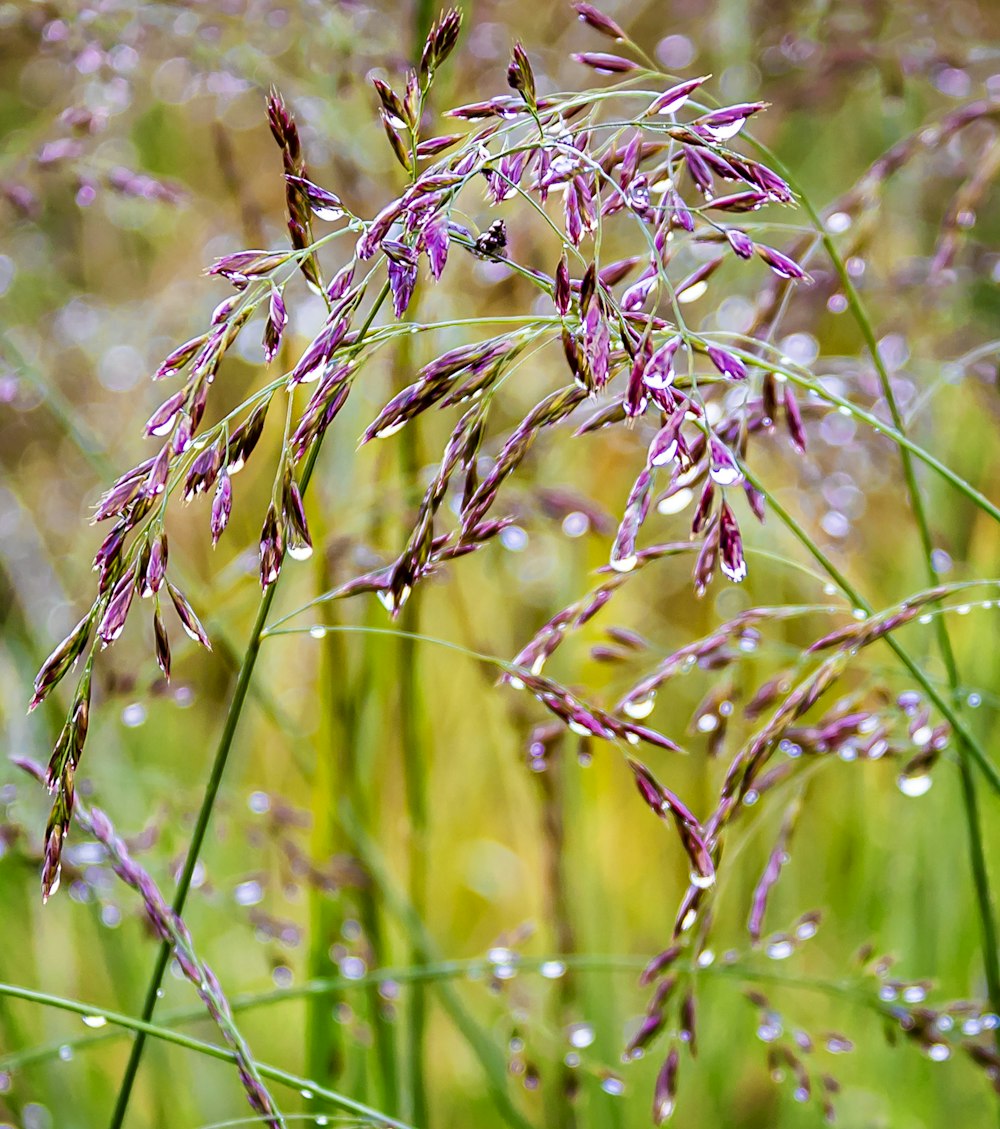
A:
(415, 772)
(144, 1029)
(969, 748)
(211, 792)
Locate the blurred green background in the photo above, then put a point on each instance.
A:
(133, 150)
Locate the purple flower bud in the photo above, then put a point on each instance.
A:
(113, 621)
(597, 19)
(176, 360)
(162, 420)
(563, 294)
(664, 445)
(604, 64)
(402, 279)
(659, 963)
(659, 371)
(636, 396)
(670, 101)
(110, 551)
(203, 472)
(731, 559)
(704, 510)
(189, 621)
(156, 567)
(780, 264)
(636, 296)
(222, 311)
(156, 482)
(340, 283)
(276, 321)
(60, 661)
(723, 467)
(740, 202)
(182, 436)
(378, 229)
(434, 145)
(324, 205)
(648, 1030)
(740, 242)
(793, 418)
(730, 366)
(299, 544)
(161, 643)
(665, 1093)
(768, 181)
(435, 240)
(222, 505)
(721, 125)
(699, 170)
(571, 209)
(520, 76)
(272, 548)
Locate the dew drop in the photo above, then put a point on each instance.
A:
(390, 430)
(318, 631)
(726, 475)
(801, 1094)
(133, 715)
(674, 503)
(259, 802)
(917, 785)
(300, 552)
(94, 1021)
(553, 969)
(914, 994)
(974, 700)
(705, 958)
(780, 949)
(702, 881)
(580, 1035)
(769, 1031)
(499, 954)
(353, 968)
(838, 1045)
(638, 708)
(66, 1052)
(248, 893)
(707, 723)
(613, 1085)
(623, 564)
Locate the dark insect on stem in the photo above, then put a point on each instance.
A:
(492, 243)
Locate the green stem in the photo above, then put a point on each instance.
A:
(966, 740)
(212, 790)
(145, 1029)
(482, 1045)
(970, 801)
